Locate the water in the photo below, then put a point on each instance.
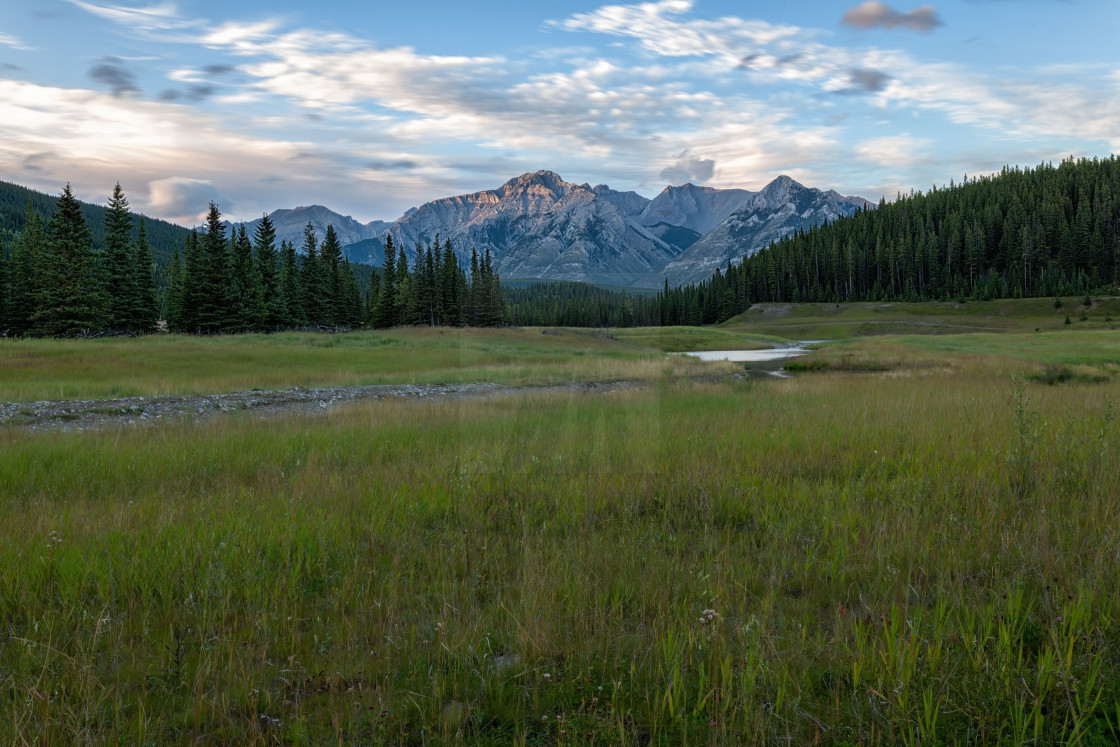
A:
(748, 356)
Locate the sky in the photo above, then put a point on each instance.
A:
(373, 107)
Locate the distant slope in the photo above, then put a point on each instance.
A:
(290, 224)
(781, 208)
(164, 237)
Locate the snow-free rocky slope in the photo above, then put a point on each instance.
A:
(782, 207)
(539, 226)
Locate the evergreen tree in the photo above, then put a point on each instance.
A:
(475, 293)
(191, 296)
(26, 272)
(335, 296)
(291, 287)
(144, 309)
(213, 313)
(403, 288)
(314, 305)
(173, 303)
(71, 301)
(120, 276)
(372, 298)
(4, 290)
(264, 245)
(249, 312)
(387, 295)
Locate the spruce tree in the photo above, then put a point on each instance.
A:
(312, 276)
(173, 296)
(475, 290)
(387, 296)
(72, 300)
(120, 276)
(334, 294)
(144, 309)
(264, 245)
(25, 272)
(4, 285)
(371, 299)
(250, 314)
(213, 313)
(404, 288)
(194, 280)
(291, 287)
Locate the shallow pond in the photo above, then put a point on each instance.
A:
(748, 356)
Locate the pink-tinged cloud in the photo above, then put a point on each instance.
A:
(874, 14)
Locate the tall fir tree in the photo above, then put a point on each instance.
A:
(314, 305)
(403, 288)
(191, 298)
(173, 295)
(264, 246)
(144, 308)
(72, 299)
(250, 314)
(291, 287)
(213, 314)
(4, 285)
(26, 272)
(332, 280)
(120, 277)
(372, 297)
(387, 295)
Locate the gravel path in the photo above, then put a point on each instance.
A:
(97, 414)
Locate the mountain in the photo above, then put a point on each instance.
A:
(781, 208)
(539, 226)
(291, 222)
(682, 215)
(163, 237)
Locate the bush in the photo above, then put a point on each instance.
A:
(1057, 302)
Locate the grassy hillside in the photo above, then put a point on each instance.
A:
(828, 321)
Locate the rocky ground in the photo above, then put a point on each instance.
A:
(85, 415)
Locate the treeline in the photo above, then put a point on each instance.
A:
(163, 237)
(1047, 231)
(568, 304)
(53, 283)
(437, 291)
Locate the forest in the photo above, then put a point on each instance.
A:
(1046, 231)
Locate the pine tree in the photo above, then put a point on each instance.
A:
(403, 287)
(264, 245)
(291, 287)
(194, 282)
(212, 284)
(72, 301)
(119, 272)
(144, 308)
(249, 309)
(475, 291)
(173, 304)
(26, 272)
(4, 286)
(332, 280)
(372, 298)
(387, 296)
(312, 277)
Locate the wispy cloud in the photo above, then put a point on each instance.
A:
(111, 73)
(8, 40)
(874, 14)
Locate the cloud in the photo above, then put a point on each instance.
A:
(7, 40)
(689, 169)
(894, 151)
(184, 199)
(218, 69)
(162, 17)
(113, 74)
(400, 164)
(873, 14)
(864, 81)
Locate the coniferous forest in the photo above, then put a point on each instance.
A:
(1046, 231)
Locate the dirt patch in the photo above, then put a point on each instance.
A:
(98, 414)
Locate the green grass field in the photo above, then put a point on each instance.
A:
(914, 542)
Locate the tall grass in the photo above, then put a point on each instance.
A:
(841, 558)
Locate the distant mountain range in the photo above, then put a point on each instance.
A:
(539, 226)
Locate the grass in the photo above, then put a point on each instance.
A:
(32, 370)
(847, 320)
(918, 553)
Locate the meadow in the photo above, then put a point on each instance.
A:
(913, 541)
